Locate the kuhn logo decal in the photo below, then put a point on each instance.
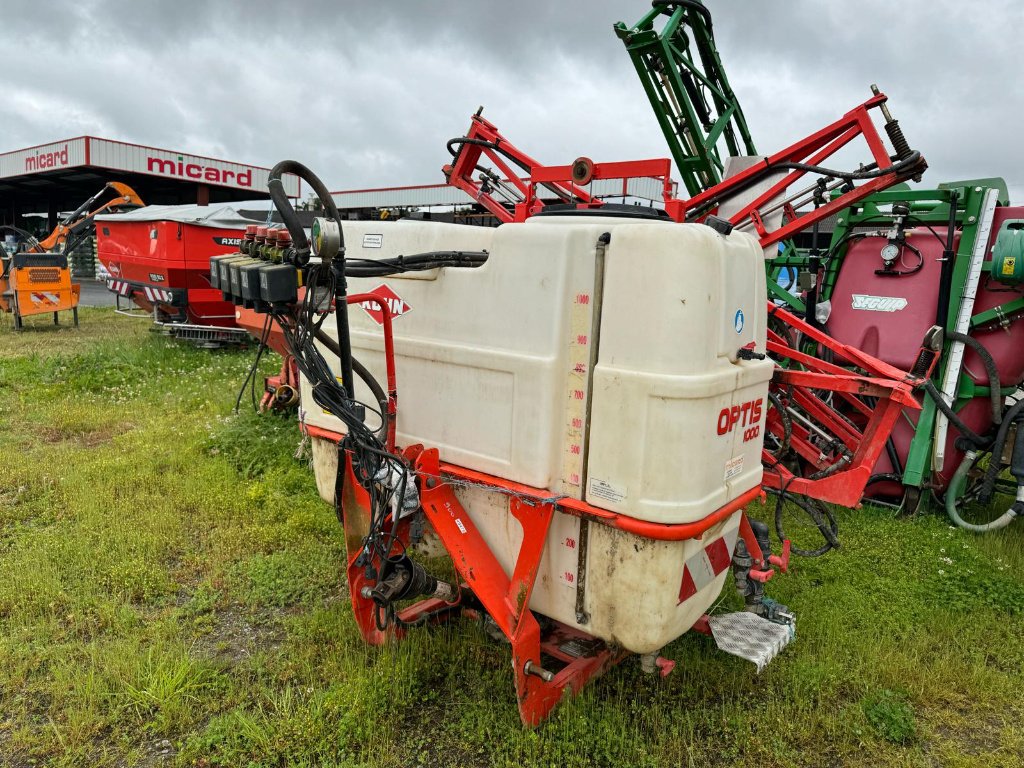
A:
(745, 415)
(396, 304)
(878, 303)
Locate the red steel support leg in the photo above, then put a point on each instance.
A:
(506, 598)
(355, 504)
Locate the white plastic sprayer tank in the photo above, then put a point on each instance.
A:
(595, 357)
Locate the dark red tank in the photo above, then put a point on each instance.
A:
(888, 316)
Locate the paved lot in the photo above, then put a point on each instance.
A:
(95, 294)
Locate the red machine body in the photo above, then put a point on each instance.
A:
(165, 265)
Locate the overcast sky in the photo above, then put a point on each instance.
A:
(367, 93)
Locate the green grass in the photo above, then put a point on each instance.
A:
(171, 589)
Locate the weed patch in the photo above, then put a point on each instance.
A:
(891, 716)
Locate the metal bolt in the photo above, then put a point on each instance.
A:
(972, 219)
(839, 221)
(535, 669)
(365, 592)
(582, 617)
(977, 189)
(431, 482)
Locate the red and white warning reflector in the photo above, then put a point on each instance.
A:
(157, 295)
(704, 566)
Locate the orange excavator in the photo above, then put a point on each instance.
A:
(36, 279)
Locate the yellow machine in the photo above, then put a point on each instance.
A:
(37, 280)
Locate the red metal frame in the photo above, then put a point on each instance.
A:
(460, 173)
(505, 597)
(858, 410)
(813, 150)
(288, 376)
(389, 360)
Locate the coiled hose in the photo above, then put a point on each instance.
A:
(959, 483)
(988, 484)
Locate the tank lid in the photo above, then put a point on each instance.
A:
(608, 210)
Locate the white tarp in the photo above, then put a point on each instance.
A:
(218, 215)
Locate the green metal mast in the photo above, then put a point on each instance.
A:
(686, 85)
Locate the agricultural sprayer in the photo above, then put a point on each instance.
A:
(593, 397)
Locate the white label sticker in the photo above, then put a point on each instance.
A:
(602, 489)
(878, 303)
(733, 467)
(460, 525)
(373, 241)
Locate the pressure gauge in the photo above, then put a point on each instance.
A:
(890, 253)
(325, 237)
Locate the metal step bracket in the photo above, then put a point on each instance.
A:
(750, 636)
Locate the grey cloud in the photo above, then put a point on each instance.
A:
(367, 93)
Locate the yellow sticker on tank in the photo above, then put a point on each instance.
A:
(1009, 263)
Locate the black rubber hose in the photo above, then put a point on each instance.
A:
(868, 172)
(283, 203)
(819, 513)
(301, 244)
(363, 373)
(994, 385)
(988, 484)
(949, 413)
(884, 477)
(787, 422)
(484, 143)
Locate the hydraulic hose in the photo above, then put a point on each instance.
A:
(994, 386)
(988, 484)
(940, 402)
(363, 373)
(869, 172)
(458, 142)
(866, 173)
(959, 482)
(301, 244)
